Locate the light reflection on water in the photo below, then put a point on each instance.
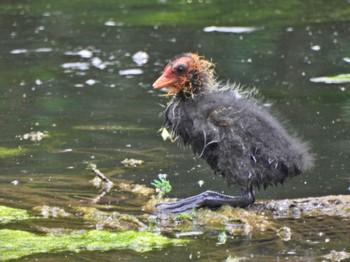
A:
(59, 75)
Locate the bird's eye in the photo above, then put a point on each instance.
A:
(180, 69)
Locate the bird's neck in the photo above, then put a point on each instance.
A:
(197, 85)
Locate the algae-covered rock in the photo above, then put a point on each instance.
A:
(237, 221)
(132, 162)
(305, 207)
(234, 221)
(260, 219)
(116, 220)
(136, 189)
(16, 244)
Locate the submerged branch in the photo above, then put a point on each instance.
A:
(100, 181)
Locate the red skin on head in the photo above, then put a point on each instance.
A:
(171, 78)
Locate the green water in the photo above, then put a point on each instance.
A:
(93, 113)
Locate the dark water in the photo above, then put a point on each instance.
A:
(93, 113)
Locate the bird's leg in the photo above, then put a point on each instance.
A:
(208, 199)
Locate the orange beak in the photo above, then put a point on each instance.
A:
(163, 81)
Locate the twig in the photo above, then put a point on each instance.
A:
(101, 182)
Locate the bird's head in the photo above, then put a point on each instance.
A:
(187, 73)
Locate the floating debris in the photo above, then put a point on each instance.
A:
(90, 82)
(200, 183)
(98, 63)
(346, 59)
(189, 234)
(316, 48)
(338, 79)
(35, 136)
(76, 66)
(126, 72)
(43, 50)
(284, 233)
(82, 53)
(230, 29)
(140, 58)
(15, 182)
(19, 51)
(37, 50)
(132, 162)
(85, 53)
(112, 23)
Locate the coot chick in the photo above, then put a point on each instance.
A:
(230, 130)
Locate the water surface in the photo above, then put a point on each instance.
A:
(60, 73)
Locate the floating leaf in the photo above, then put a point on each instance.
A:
(166, 135)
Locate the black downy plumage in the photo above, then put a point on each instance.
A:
(230, 130)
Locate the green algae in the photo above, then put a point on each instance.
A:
(16, 244)
(6, 152)
(9, 214)
(338, 79)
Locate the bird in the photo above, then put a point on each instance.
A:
(228, 127)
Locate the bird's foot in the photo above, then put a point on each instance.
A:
(208, 199)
